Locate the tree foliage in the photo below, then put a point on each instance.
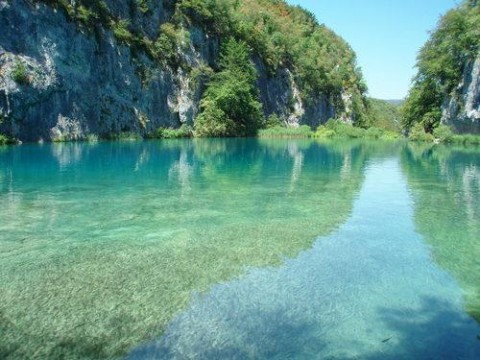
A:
(230, 105)
(441, 63)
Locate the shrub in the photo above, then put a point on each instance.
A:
(443, 133)
(468, 139)
(124, 136)
(273, 121)
(121, 31)
(303, 131)
(374, 133)
(184, 131)
(417, 133)
(85, 15)
(142, 6)
(339, 129)
(20, 74)
(324, 132)
(5, 140)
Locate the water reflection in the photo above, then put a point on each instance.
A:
(445, 184)
(369, 290)
(102, 244)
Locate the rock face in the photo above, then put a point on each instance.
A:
(462, 111)
(59, 81)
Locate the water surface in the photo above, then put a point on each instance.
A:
(238, 249)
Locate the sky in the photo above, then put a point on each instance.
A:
(385, 34)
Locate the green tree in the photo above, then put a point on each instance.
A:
(230, 105)
(441, 63)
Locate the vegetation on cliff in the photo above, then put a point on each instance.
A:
(273, 34)
(230, 105)
(441, 63)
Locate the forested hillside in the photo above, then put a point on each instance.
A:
(447, 86)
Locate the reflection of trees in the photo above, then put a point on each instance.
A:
(298, 157)
(445, 183)
(110, 245)
(182, 170)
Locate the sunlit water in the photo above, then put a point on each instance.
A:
(235, 249)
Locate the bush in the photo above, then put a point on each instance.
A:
(213, 122)
(324, 132)
(121, 31)
(339, 129)
(168, 133)
(374, 133)
(124, 136)
(20, 74)
(273, 121)
(417, 133)
(142, 6)
(343, 129)
(5, 140)
(303, 131)
(468, 139)
(443, 133)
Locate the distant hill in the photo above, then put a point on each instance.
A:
(384, 114)
(395, 102)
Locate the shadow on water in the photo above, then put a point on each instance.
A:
(250, 342)
(436, 330)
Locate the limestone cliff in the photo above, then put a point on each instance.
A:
(462, 111)
(64, 79)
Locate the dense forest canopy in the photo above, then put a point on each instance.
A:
(441, 63)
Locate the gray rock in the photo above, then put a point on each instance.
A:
(84, 82)
(462, 111)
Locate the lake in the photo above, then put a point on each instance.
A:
(239, 249)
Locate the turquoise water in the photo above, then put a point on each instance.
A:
(237, 249)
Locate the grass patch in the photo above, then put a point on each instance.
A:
(442, 134)
(339, 129)
(303, 131)
(185, 131)
(124, 136)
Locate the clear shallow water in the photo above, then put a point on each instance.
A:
(369, 290)
(238, 248)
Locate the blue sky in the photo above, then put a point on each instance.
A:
(385, 34)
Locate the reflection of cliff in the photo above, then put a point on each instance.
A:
(112, 239)
(445, 183)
